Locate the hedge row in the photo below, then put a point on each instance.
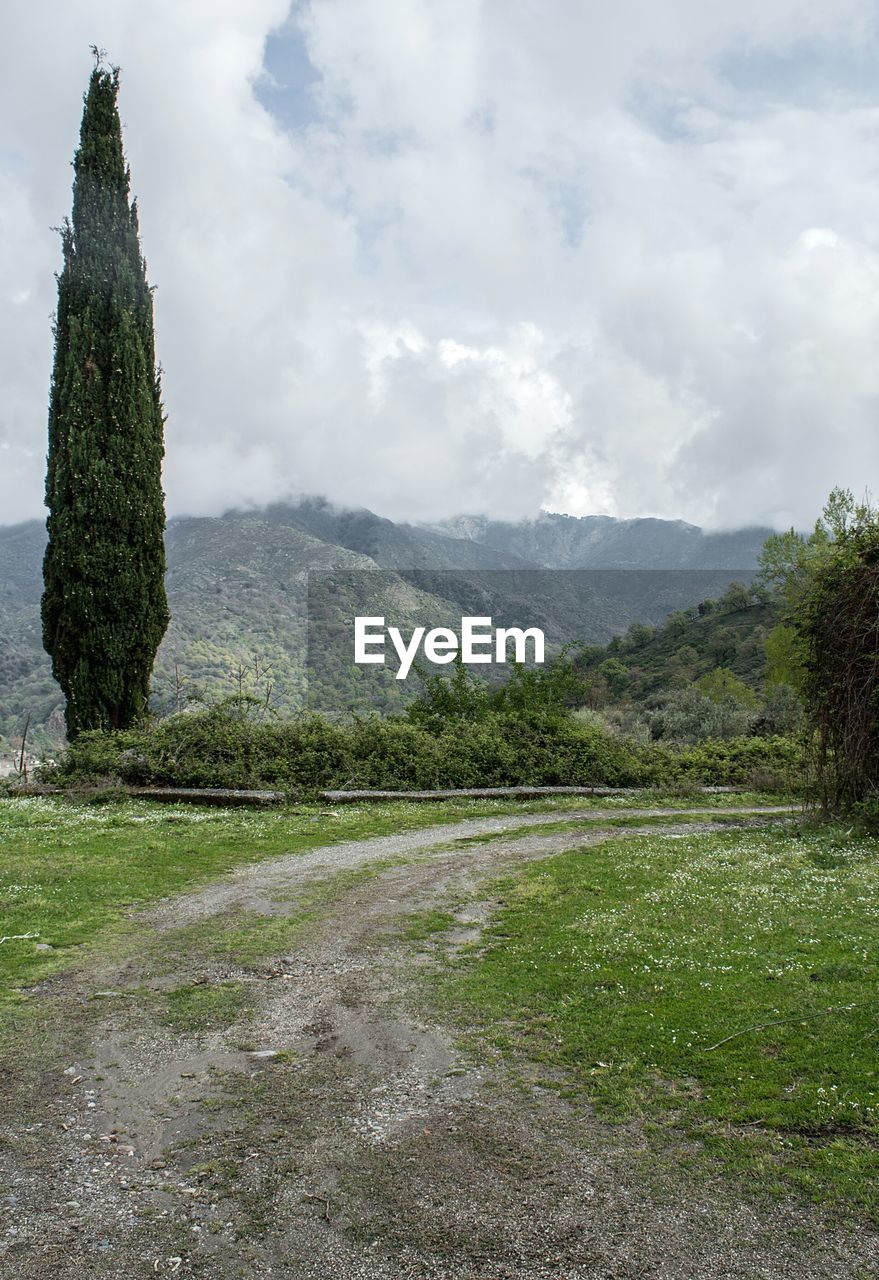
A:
(216, 749)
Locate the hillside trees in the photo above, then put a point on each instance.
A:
(829, 642)
(838, 624)
(104, 609)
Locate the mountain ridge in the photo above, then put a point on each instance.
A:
(555, 540)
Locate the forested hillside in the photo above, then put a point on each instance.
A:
(704, 673)
(237, 587)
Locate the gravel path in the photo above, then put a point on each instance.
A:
(254, 886)
(331, 1131)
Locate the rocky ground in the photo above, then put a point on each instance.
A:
(245, 1084)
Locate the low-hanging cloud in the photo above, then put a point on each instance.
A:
(472, 256)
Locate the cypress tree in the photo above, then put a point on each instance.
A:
(104, 608)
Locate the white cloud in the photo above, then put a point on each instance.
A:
(505, 262)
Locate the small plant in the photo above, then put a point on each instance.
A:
(204, 1007)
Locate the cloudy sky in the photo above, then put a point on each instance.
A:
(442, 256)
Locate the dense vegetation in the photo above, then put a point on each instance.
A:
(828, 644)
(460, 733)
(839, 629)
(708, 673)
(104, 609)
(692, 702)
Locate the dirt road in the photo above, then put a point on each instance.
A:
(243, 1086)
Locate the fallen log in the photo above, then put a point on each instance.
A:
(206, 795)
(496, 793)
(474, 793)
(166, 795)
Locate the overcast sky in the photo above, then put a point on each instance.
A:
(444, 256)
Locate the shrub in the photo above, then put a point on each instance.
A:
(739, 761)
(782, 710)
(501, 747)
(217, 749)
(690, 716)
(837, 621)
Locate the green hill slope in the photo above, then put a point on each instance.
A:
(683, 651)
(701, 675)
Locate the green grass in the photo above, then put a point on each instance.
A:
(204, 1007)
(572, 824)
(630, 962)
(421, 926)
(71, 869)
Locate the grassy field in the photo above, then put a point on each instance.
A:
(722, 988)
(70, 870)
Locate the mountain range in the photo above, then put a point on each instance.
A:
(238, 588)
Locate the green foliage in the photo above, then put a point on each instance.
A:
(615, 674)
(459, 732)
(238, 587)
(782, 710)
(723, 685)
(104, 609)
(785, 656)
(773, 763)
(692, 645)
(843, 515)
(638, 635)
(722, 670)
(738, 595)
(535, 692)
(445, 699)
(690, 715)
(826, 646)
(837, 621)
(307, 754)
(678, 621)
(718, 706)
(866, 814)
(788, 561)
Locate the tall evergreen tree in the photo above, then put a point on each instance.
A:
(104, 607)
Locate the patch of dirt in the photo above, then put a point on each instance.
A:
(332, 1132)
